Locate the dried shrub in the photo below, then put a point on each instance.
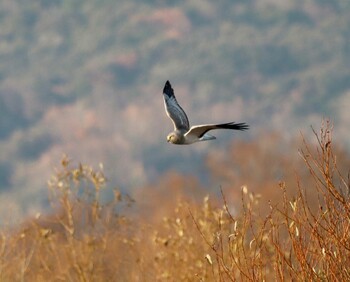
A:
(176, 237)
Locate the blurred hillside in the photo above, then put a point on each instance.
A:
(85, 78)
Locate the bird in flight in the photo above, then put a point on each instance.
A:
(183, 133)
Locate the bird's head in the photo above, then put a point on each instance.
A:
(171, 137)
(174, 138)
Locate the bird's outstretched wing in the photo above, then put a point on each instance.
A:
(200, 130)
(173, 109)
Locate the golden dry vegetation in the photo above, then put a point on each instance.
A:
(270, 230)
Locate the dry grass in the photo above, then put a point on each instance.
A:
(303, 237)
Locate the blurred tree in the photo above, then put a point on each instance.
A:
(12, 114)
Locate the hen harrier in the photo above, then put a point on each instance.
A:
(183, 133)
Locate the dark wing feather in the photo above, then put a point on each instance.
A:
(200, 130)
(173, 109)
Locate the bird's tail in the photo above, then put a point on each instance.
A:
(206, 137)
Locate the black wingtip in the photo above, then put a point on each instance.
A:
(236, 126)
(167, 84)
(242, 126)
(168, 90)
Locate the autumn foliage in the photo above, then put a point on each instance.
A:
(271, 216)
